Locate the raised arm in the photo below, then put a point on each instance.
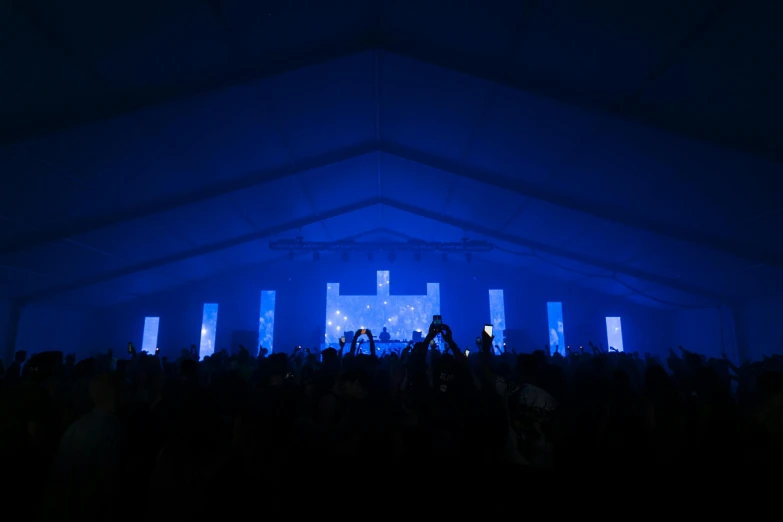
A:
(372, 342)
(449, 338)
(486, 348)
(342, 348)
(354, 342)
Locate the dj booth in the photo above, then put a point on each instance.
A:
(380, 346)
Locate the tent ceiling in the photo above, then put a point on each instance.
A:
(702, 68)
(168, 143)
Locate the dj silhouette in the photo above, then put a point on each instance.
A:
(384, 336)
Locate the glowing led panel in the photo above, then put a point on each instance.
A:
(614, 333)
(208, 327)
(497, 312)
(150, 340)
(554, 313)
(401, 315)
(266, 320)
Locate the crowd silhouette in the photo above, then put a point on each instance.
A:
(76, 437)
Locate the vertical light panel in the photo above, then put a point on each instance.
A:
(555, 319)
(497, 313)
(614, 333)
(266, 320)
(208, 328)
(150, 340)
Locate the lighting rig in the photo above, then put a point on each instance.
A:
(297, 246)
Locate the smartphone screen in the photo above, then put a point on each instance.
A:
(130, 347)
(342, 339)
(467, 352)
(488, 329)
(437, 319)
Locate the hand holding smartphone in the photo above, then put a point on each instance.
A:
(488, 329)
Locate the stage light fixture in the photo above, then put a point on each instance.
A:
(316, 256)
(298, 245)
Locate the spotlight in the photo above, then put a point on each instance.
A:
(369, 256)
(346, 257)
(468, 257)
(392, 257)
(445, 257)
(316, 256)
(417, 256)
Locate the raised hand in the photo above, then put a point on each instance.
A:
(433, 331)
(486, 342)
(447, 335)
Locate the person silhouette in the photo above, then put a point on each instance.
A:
(384, 336)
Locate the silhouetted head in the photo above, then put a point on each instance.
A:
(243, 355)
(527, 366)
(770, 383)
(188, 368)
(693, 361)
(104, 389)
(355, 384)
(20, 356)
(278, 364)
(329, 356)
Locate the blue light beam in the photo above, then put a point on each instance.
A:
(266, 320)
(497, 312)
(208, 328)
(150, 339)
(556, 336)
(614, 333)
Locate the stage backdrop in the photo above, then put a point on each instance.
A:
(301, 305)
